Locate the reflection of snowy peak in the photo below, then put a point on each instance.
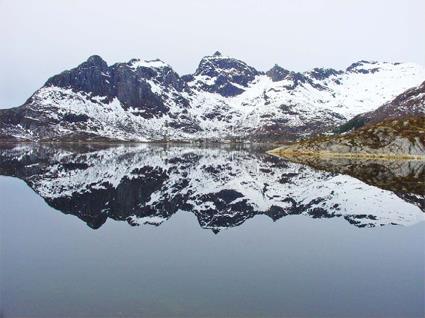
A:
(222, 187)
(224, 98)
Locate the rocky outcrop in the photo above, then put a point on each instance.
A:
(131, 83)
(391, 138)
(324, 73)
(277, 73)
(223, 75)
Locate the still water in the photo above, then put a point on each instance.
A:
(179, 231)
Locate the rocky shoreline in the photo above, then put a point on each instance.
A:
(390, 139)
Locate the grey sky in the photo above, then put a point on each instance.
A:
(42, 38)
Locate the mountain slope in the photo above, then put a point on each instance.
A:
(401, 134)
(224, 99)
(408, 104)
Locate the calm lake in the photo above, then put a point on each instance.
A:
(226, 231)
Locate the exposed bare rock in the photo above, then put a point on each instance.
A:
(391, 138)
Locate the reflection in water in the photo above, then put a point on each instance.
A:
(406, 178)
(223, 187)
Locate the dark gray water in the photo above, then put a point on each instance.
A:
(223, 233)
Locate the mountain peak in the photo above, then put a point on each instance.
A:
(277, 73)
(217, 53)
(364, 67)
(96, 60)
(228, 74)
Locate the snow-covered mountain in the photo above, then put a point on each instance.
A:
(223, 99)
(222, 187)
(410, 103)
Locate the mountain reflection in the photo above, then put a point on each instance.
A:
(222, 186)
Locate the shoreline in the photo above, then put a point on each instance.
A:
(346, 155)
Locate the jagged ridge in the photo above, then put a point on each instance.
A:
(224, 99)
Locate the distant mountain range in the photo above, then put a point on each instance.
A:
(224, 99)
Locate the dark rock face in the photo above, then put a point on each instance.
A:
(91, 77)
(277, 73)
(17, 118)
(133, 91)
(73, 118)
(296, 79)
(129, 84)
(324, 73)
(361, 67)
(227, 72)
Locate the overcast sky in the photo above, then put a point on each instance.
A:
(44, 37)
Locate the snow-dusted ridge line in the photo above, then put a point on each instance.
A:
(146, 100)
(157, 63)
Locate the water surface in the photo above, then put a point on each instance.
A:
(173, 231)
